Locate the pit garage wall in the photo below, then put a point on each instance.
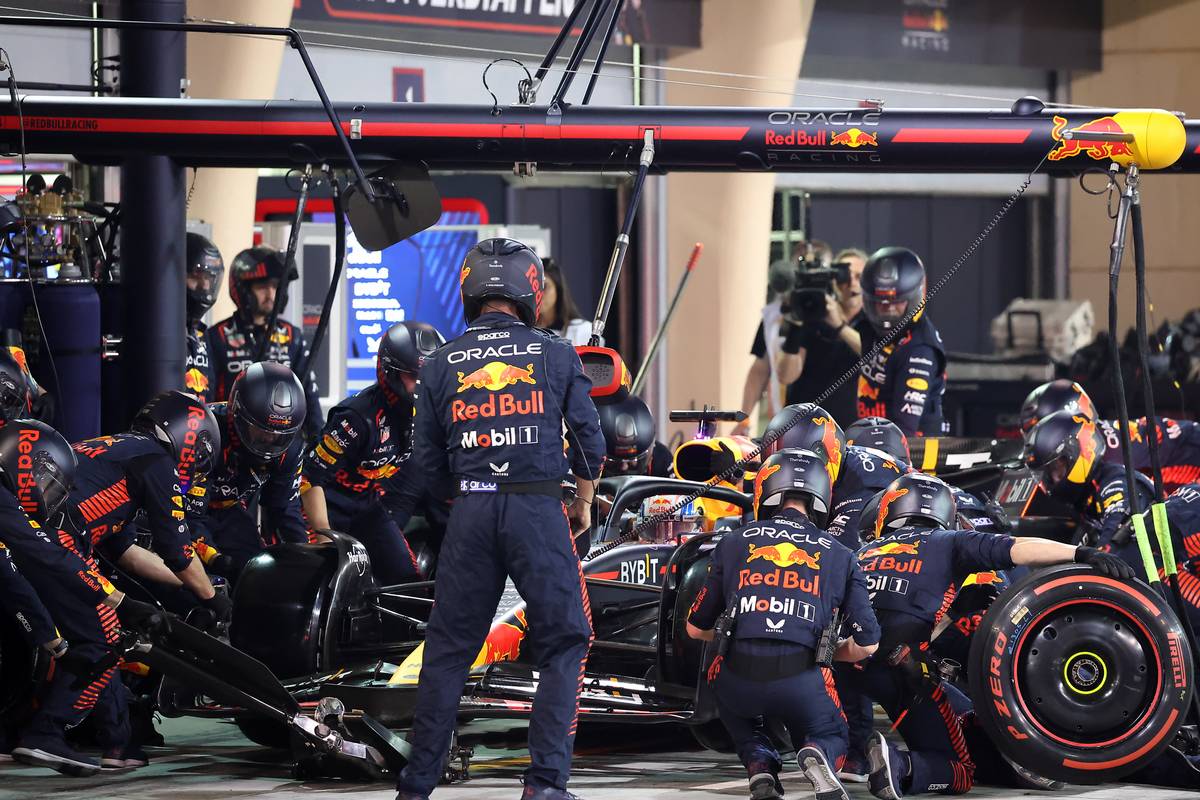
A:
(1151, 55)
(730, 213)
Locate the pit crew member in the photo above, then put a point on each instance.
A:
(781, 579)
(235, 343)
(205, 268)
(905, 380)
(365, 441)
(492, 407)
(913, 567)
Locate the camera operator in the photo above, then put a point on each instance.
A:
(823, 341)
(763, 375)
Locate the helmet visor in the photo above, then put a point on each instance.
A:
(51, 482)
(886, 314)
(1055, 473)
(14, 398)
(261, 442)
(203, 283)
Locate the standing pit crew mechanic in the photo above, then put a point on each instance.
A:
(1178, 440)
(170, 447)
(914, 566)
(365, 440)
(856, 473)
(782, 581)
(235, 343)
(491, 411)
(906, 379)
(260, 459)
(205, 268)
(37, 468)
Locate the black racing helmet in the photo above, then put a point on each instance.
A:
(204, 263)
(1059, 395)
(812, 428)
(14, 388)
(1065, 450)
(186, 428)
(503, 268)
(915, 499)
(37, 466)
(629, 432)
(800, 473)
(267, 406)
(893, 283)
(403, 350)
(881, 434)
(250, 266)
(868, 518)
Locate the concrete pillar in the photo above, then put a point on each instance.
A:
(710, 338)
(232, 67)
(1150, 55)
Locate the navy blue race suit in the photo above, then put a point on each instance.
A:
(1178, 448)
(784, 578)
(74, 593)
(864, 473)
(118, 476)
(21, 602)
(914, 575)
(233, 346)
(491, 408)
(197, 375)
(905, 380)
(227, 506)
(365, 441)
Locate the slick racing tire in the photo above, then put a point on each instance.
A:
(1080, 677)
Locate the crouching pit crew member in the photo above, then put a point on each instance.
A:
(783, 582)
(260, 459)
(509, 518)
(170, 448)
(914, 566)
(37, 468)
(365, 439)
(906, 379)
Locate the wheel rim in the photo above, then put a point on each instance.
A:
(1087, 673)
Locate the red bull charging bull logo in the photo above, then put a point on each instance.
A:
(889, 497)
(893, 549)
(785, 554)
(833, 448)
(1100, 151)
(496, 375)
(760, 479)
(854, 137)
(1087, 451)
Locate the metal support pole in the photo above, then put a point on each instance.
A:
(153, 216)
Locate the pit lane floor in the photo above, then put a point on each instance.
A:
(206, 759)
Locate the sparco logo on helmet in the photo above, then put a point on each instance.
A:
(497, 351)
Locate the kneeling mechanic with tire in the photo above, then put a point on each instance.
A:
(914, 566)
(779, 582)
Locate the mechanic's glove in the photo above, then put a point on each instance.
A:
(1104, 563)
(220, 606)
(140, 616)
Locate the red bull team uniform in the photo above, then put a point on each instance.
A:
(783, 578)
(864, 472)
(914, 575)
(224, 508)
(364, 443)
(197, 369)
(492, 407)
(905, 380)
(1178, 448)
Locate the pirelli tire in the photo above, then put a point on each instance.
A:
(1080, 677)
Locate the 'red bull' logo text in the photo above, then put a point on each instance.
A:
(784, 579)
(1100, 151)
(784, 554)
(25, 479)
(497, 405)
(495, 375)
(855, 137)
